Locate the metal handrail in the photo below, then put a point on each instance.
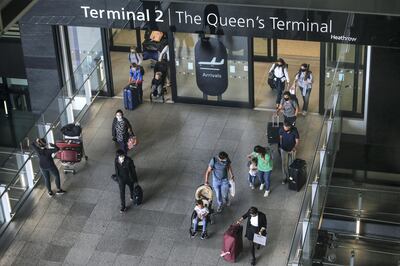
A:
(61, 113)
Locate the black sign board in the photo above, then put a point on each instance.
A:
(211, 66)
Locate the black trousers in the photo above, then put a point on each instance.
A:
(122, 186)
(46, 174)
(253, 251)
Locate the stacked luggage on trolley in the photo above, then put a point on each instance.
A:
(71, 147)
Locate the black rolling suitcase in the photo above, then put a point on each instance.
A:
(297, 174)
(273, 130)
(138, 194)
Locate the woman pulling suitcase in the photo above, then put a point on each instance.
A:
(256, 224)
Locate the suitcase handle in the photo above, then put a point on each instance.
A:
(275, 120)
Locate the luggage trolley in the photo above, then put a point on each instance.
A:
(71, 147)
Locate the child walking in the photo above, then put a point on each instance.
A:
(252, 171)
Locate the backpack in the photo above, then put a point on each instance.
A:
(293, 98)
(215, 160)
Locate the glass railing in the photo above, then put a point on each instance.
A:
(319, 174)
(20, 172)
(363, 204)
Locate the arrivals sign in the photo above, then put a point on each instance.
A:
(211, 66)
(230, 20)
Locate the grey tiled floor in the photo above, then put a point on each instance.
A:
(176, 141)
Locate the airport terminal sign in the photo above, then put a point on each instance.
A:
(223, 19)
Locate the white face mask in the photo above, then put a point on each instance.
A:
(121, 159)
(119, 118)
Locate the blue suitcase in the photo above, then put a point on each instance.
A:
(131, 97)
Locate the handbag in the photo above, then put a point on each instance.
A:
(271, 81)
(232, 189)
(132, 142)
(114, 177)
(260, 239)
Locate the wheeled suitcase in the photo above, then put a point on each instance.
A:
(138, 193)
(297, 174)
(71, 150)
(233, 243)
(69, 156)
(273, 130)
(131, 97)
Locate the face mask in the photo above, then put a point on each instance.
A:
(132, 51)
(119, 118)
(286, 99)
(121, 159)
(224, 160)
(302, 69)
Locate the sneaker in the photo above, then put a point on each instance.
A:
(50, 193)
(266, 194)
(252, 186)
(203, 236)
(193, 234)
(304, 113)
(60, 192)
(131, 199)
(262, 186)
(122, 210)
(284, 181)
(219, 209)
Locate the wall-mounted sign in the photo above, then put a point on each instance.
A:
(211, 66)
(222, 19)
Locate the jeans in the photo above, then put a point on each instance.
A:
(196, 221)
(158, 89)
(280, 87)
(287, 158)
(306, 99)
(252, 179)
(221, 187)
(265, 178)
(123, 145)
(122, 191)
(46, 174)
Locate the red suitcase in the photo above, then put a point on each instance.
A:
(69, 156)
(233, 243)
(71, 144)
(70, 151)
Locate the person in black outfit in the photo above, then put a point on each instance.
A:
(121, 130)
(126, 175)
(46, 164)
(256, 224)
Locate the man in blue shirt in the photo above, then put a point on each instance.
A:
(289, 140)
(136, 77)
(220, 167)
